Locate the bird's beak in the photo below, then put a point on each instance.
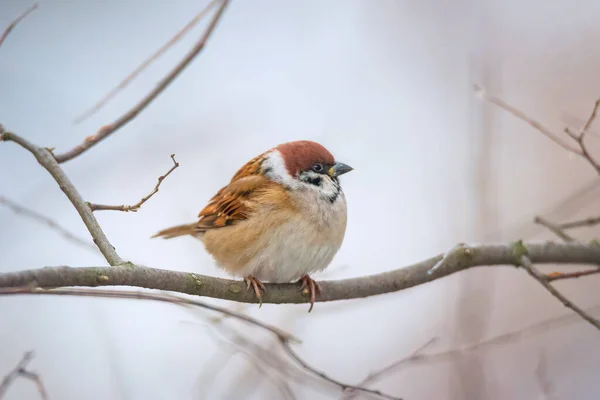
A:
(339, 169)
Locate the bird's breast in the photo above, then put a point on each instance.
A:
(281, 245)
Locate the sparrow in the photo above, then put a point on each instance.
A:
(281, 217)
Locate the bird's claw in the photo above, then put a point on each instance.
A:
(310, 286)
(257, 286)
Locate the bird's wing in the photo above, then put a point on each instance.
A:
(233, 203)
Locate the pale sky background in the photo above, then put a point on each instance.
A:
(387, 87)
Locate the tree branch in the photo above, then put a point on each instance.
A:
(136, 206)
(285, 339)
(290, 293)
(47, 160)
(17, 20)
(541, 278)
(19, 209)
(583, 134)
(554, 228)
(556, 276)
(129, 78)
(374, 376)
(344, 386)
(578, 224)
(500, 340)
(109, 129)
(21, 371)
(523, 117)
(160, 297)
(581, 149)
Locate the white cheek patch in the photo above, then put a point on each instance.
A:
(275, 169)
(327, 188)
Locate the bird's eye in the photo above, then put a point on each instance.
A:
(317, 167)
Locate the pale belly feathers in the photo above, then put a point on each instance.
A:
(281, 247)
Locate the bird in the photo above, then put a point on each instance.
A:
(282, 217)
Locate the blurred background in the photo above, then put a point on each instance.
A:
(387, 87)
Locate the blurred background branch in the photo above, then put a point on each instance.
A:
(21, 371)
(284, 338)
(123, 120)
(164, 48)
(15, 22)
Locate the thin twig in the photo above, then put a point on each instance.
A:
(570, 120)
(245, 345)
(273, 367)
(591, 119)
(136, 206)
(554, 228)
(374, 376)
(21, 371)
(344, 386)
(583, 135)
(571, 134)
(160, 297)
(581, 149)
(556, 276)
(538, 328)
(522, 116)
(559, 231)
(500, 340)
(111, 128)
(581, 223)
(47, 160)
(284, 338)
(16, 21)
(526, 263)
(19, 209)
(123, 84)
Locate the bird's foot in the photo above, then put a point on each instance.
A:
(310, 286)
(257, 285)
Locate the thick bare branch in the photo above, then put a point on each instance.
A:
(111, 128)
(136, 206)
(129, 78)
(16, 21)
(541, 278)
(354, 288)
(46, 160)
(21, 371)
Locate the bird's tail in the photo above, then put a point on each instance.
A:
(175, 231)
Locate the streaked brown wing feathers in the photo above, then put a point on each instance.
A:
(231, 204)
